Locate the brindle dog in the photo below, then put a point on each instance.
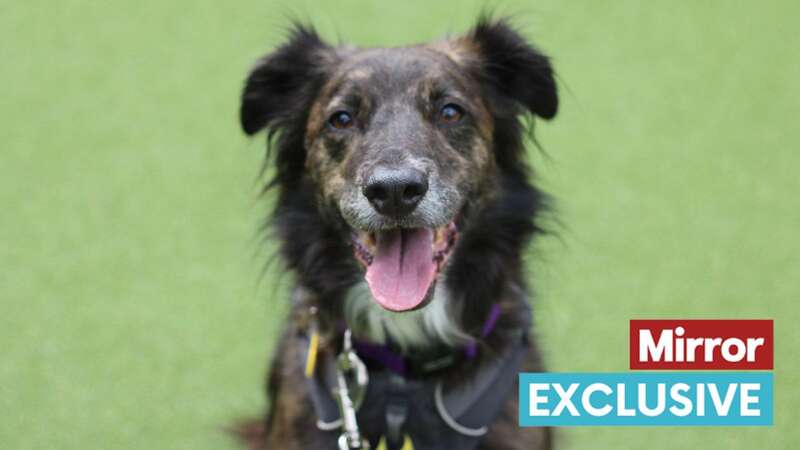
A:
(403, 207)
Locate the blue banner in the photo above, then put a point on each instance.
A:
(645, 398)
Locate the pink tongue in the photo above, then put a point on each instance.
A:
(402, 269)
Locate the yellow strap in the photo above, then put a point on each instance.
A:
(311, 360)
(407, 444)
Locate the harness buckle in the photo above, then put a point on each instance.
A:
(351, 382)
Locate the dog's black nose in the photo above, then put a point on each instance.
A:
(396, 192)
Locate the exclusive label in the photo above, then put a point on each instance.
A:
(701, 344)
(645, 398)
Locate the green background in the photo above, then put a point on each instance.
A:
(134, 314)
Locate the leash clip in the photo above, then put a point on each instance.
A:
(351, 381)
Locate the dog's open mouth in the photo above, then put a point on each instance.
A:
(402, 264)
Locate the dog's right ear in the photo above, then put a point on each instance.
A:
(282, 84)
(514, 68)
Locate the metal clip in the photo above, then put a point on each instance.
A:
(351, 380)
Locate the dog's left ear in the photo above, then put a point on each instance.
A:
(283, 83)
(513, 67)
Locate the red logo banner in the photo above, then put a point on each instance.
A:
(701, 344)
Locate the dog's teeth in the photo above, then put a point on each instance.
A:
(362, 254)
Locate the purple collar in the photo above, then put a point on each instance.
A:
(494, 314)
(398, 364)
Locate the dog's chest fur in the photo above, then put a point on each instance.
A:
(434, 325)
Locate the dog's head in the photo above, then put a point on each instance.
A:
(402, 145)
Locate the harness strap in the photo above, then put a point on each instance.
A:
(319, 387)
(396, 411)
(470, 407)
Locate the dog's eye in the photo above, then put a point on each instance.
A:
(451, 113)
(341, 120)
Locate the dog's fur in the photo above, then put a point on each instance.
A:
(478, 180)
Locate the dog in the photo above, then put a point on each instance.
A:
(403, 209)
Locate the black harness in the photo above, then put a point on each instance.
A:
(398, 405)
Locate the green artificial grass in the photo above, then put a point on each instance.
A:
(134, 311)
